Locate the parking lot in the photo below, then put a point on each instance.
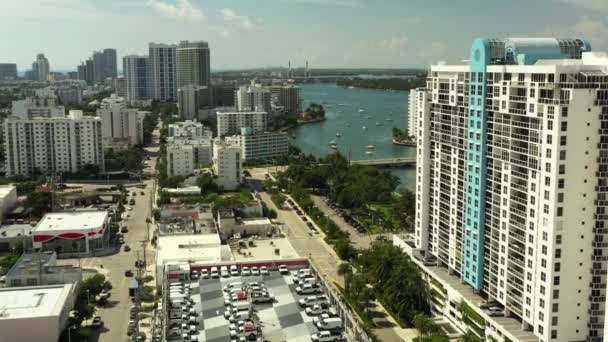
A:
(281, 320)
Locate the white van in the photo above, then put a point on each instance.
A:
(329, 324)
(235, 285)
(310, 281)
(239, 316)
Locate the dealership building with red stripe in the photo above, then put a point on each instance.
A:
(75, 232)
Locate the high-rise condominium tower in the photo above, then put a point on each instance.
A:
(511, 225)
(193, 63)
(163, 71)
(137, 76)
(41, 68)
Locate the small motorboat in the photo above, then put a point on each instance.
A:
(338, 134)
(370, 147)
(369, 153)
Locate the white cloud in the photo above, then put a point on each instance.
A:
(343, 3)
(181, 9)
(231, 16)
(600, 5)
(594, 29)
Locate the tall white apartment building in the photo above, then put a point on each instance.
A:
(227, 164)
(41, 68)
(189, 129)
(192, 100)
(121, 126)
(264, 145)
(511, 191)
(193, 64)
(184, 155)
(38, 106)
(49, 145)
(163, 71)
(137, 76)
(232, 122)
(253, 97)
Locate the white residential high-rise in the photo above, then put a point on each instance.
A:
(163, 75)
(253, 98)
(121, 126)
(41, 68)
(38, 106)
(50, 145)
(512, 175)
(184, 155)
(137, 75)
(227, 164)
(264, 145)
(192, 99)
(231, 122)
(193, 64)
(189, 129)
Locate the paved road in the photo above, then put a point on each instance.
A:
(116, 314)
(359, 240)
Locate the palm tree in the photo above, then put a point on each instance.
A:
(345, 269)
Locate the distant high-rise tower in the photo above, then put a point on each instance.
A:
(163, 75)
(8, 71)
(193, 63)
(307, 73)
(137, 75)
(41, 68)
(110, 69)
(289, 69)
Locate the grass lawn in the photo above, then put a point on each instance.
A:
(243, 193)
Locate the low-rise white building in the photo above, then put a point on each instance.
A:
(189, 129)
(266, 145)
(72, 233)
(186, 155)
(231, 122)
(54, 144)
(8, 198)
(35, 314)
(227, 164)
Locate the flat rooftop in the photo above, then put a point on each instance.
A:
(40, 264)
(200, 247)
(6, 189)
(15, 230)
(35, 301)
(77, 220)
(264, 249)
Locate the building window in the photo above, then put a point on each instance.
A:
(556, 280)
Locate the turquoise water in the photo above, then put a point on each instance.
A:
(361, 117)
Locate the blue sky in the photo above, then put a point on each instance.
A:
(257, 33)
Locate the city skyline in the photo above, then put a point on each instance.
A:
(274, 32)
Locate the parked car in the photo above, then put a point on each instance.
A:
(235, 285)
(264, 270)
(330, 324)
(327, 336)
(224, 272)
(194, 275)
(308, 289)
(283, 269)
(312, 300)
(234, 270)
(141, 193)
(317, 309)
(245, 271)
(214, 272)
(205, 273)
(255, 271)
(128, 273)
(126, 248)
(97, 322)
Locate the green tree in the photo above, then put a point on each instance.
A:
(205, 182)
(39, 203)
(425, 325)
(8, 262)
